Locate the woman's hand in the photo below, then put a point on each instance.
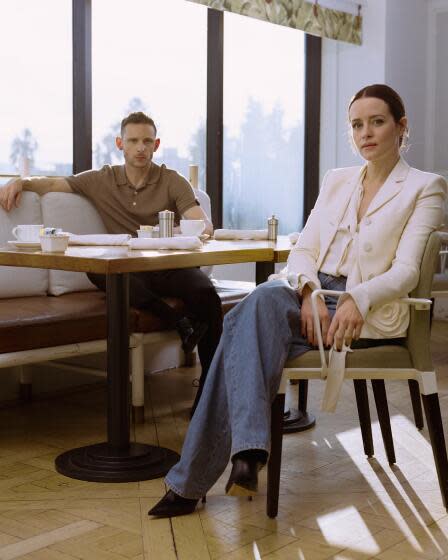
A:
(306, 317)
(346, 324)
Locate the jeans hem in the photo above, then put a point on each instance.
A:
(250, 446)
(176, 490)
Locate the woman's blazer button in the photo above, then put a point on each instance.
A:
(367, 221)
(367, 247)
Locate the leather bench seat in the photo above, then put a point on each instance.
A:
(27, 323)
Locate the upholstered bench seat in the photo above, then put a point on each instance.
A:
(27, 323)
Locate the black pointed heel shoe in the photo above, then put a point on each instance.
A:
(243, 480)
(173, 505)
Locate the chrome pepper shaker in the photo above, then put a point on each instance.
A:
(166, 223)
(272, 228)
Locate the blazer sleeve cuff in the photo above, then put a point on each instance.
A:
(303, 281)
(361, 299)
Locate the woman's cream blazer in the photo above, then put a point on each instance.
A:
(389, 246)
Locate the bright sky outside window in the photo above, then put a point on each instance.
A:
(152, 56)
(263, 124)
(36, 91)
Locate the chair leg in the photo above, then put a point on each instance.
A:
(275, 457)
(379, 392)
(303, 395)
(435, 427)
(138, 384)
(414, 390)
(362, 402)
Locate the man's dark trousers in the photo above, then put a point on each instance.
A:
(190, 285)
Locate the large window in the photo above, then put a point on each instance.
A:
(150, 55)
(263, 124)
(36, 87)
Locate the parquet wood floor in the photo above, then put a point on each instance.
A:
(334, 502)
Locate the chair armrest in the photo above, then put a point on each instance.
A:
(314, 295)
(418, 303)
(443, 236)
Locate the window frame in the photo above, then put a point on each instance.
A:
(82, 106)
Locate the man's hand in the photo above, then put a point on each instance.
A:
(306, 317)
(346, 324)
(10, 194)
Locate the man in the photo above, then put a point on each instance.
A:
(132, 194)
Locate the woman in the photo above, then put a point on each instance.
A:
(365, 236)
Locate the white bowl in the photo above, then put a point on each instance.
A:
(144, 233)
(54, 243)
(192, 227)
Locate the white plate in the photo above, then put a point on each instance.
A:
(202, 237)
(25, 244)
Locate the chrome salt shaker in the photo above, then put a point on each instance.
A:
(272, 228)
(166, 223)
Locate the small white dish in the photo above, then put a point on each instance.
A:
(56, 243)
(145, 233)
(28, 245)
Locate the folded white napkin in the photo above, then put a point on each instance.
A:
(293, 237)
(183, 243)
(256, 234)
(99, 239)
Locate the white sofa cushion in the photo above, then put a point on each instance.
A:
(16, 281)
(73, 213)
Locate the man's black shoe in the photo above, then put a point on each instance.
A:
(172, 505)
(190, 334)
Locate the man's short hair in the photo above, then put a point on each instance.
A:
(137, 118)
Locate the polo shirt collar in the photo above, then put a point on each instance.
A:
(152, 176)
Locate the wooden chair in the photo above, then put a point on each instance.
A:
(412, 362)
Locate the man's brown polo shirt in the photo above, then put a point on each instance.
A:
(124, 207)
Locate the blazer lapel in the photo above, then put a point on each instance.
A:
(342, 197)
(391, 187)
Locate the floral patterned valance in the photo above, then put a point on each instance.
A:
(301, 14)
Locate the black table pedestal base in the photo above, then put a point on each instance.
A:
(102, 463)
(297, 421)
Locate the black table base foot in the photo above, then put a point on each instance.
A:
(297, 421)
(101, 463)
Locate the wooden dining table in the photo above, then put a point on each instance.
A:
(118, 459)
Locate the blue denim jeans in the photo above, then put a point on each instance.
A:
(234, 412)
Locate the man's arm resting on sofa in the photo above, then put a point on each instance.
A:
(11, 193)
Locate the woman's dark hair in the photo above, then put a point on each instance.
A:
(388, 95)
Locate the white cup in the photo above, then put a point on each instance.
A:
(192, 227)
(56, 243)
(27, 232)
(144, 233)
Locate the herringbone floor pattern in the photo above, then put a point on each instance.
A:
(334, 502)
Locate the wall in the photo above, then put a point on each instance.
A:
(345, 69)
(406, 67)
(394, 51)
